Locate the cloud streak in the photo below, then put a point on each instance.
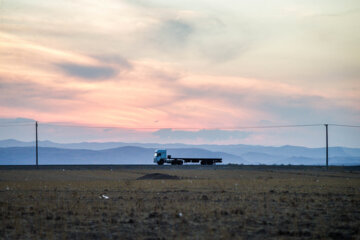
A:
(86, 72)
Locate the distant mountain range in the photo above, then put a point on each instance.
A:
(14, 152)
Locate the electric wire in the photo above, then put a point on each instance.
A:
(344, 125)
(16, 125)
(17, 122)
(27, 123)
(185, 128)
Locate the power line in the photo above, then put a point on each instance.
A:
(84, 126)
(22, 121)
(17, 125)
(276, 126)
(186, 128)
(344, 125)
(27, 123)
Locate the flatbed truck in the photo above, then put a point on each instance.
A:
(161, 158)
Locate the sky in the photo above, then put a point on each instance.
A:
(175, 65)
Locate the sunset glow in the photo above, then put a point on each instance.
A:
(162, 64)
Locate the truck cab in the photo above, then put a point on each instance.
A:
(160, 156)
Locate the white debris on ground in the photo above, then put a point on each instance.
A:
(180, 214)
(7, 188)
(103, 196)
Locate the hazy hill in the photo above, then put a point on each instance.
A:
(142, 153)
(121, 155)
(261, 158)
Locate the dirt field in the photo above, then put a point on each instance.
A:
(197, 204)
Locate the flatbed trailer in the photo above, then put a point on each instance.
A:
(161, 158)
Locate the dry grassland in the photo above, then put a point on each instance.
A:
(202, 204)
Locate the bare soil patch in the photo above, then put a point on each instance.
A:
(158, 176)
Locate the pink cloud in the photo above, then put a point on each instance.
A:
(148, 94)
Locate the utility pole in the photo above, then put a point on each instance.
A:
(327, 147)
(37, 151)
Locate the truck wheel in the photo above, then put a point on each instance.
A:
(203, 162)
(180, 163)
(161, 162)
